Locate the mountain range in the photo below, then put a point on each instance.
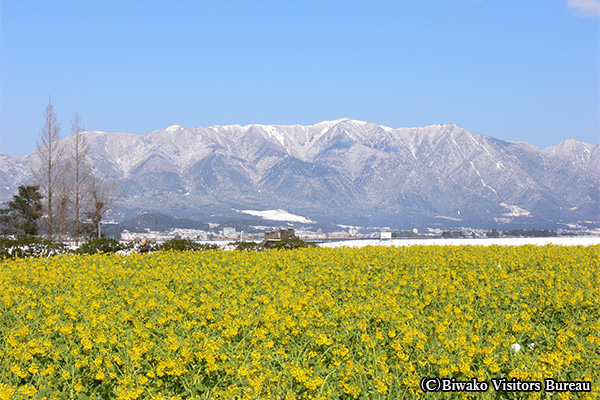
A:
(344, 172)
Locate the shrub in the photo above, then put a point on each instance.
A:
(186, 245)
(247, 246)
(286, 244)
(30, 246)
(293, 243)
(100, 245)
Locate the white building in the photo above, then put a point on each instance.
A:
(229, 232)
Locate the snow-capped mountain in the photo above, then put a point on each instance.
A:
(344, 171)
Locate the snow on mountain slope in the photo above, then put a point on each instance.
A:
(343, 170)
(278, 215)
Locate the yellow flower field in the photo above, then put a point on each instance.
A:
(303, 324)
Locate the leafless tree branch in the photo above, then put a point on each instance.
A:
(50, 169)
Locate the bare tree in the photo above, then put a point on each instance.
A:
(62, 205)
(80, 174)
(102, 197)
(50, 155)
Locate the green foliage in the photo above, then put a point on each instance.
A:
(453, 234)
(30, 247)
(100, 245)
(21, 215)
(247, 246)
(293, 243)
(186, 245)
(289, 244)
(286, 244)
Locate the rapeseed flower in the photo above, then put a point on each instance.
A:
(296, 324)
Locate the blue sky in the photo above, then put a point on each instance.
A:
(511, 69)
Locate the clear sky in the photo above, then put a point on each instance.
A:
(512, 69)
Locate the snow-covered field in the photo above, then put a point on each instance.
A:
(278, 215)
(564, 241)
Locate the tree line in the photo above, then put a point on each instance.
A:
(66, 200)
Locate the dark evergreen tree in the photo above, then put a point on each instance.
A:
(20, 216)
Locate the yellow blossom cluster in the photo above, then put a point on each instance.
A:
(304, 324)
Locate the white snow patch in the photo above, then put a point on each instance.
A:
(520, 241)
(359, 122)
(449, 218)
(349, 226)
(486, 150)
(274, 133)
(278, 215)
(572, 226)
(515, 211)
(478, 174)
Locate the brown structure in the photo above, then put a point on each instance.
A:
(276, 236)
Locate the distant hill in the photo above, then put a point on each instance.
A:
(344, 172)
(159, 222)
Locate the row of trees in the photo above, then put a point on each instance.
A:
(66, 198)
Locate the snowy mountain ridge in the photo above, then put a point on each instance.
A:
(343, 171)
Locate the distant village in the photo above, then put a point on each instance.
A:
(232, 234)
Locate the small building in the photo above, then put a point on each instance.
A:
(229, 232)
(385, 236)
